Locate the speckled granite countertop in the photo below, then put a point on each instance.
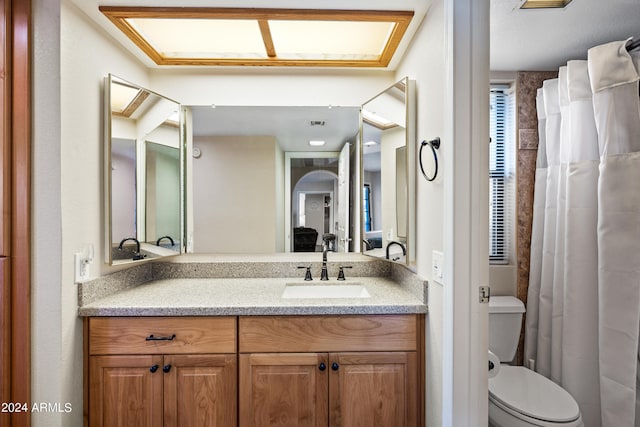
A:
(250, 296)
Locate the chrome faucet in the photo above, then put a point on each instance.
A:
(393, 242)
(326, 238)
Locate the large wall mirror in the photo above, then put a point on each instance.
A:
(143, 172)
(388, 174)
(269, 179)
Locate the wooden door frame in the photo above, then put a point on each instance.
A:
(15, 98)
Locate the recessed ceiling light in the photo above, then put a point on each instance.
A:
(370, 143)
(377, 120)
(544, 4)
(251, 36)
(316, 143)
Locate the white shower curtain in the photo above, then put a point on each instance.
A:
(583, 307)
(614, 82)
(543, 356)
(580, 344)
(537, 230)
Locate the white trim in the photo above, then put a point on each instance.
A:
(465, 152)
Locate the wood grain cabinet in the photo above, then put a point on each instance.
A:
(161, 372)
(330, 370)
(252, 371)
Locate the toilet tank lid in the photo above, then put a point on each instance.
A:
(505, 304)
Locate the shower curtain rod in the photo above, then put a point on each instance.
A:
(633, 45)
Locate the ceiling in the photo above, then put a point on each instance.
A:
(290, 125)
(419, 7)
(545, 39)
(519, 40)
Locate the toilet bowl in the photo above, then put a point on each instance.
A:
(520, 397)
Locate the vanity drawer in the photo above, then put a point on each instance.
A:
(162, 335)
(328, 333)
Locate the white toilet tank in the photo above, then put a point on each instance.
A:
(505, 321)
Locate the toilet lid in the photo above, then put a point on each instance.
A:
(533, 395)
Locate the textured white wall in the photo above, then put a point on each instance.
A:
(288, 87)
(71, 60)
(425, 63)
(47, 376)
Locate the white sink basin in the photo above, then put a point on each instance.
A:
(292, 290)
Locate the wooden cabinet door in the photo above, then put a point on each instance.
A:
(126, 391)
(284, 390)
(200, 390)
(373, 389)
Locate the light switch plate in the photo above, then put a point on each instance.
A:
(437, 266)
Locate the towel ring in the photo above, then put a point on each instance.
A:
(434, 144)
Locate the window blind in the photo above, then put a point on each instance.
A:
(501, 182)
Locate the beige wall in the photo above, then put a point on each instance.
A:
(234, 195)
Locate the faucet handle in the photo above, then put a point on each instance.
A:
(307, 274)
(341, 272)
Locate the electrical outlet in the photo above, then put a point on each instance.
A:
(81, 267)
(437, 266)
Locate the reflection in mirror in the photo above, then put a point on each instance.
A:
(388, 182)
(123, 178)
(259, 186)
(401, 192)
(163, 195)
(312, 204)
(142, 182)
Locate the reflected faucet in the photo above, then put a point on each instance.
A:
(137, 255)
(165, 237)
(393, 242)
(326, 238)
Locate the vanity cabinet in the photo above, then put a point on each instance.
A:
(330, 370)
(161, 371)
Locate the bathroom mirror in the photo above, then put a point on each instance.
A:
(142, 173)
(388, 153)
(259, 186)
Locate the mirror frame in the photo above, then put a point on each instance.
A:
(411, 162)
(140, 179)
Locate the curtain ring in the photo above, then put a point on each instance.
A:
(434, 144)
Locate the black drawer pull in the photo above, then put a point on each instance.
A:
(166, 368)
(322, 366)
(335, 366)
(152, 338)
(153, 368)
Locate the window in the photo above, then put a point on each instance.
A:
(501, 165)
(367, 207)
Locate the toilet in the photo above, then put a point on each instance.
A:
(518, 396)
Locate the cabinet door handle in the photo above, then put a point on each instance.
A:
(153, 368)
(166, 368)
(335, 366)
(322, 366)
(154, 338)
